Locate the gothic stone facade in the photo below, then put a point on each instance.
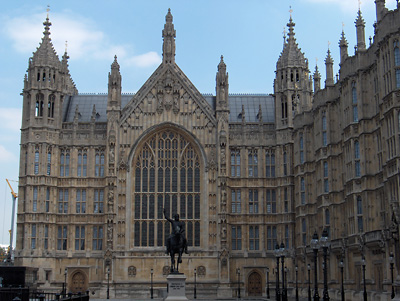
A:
(244, 172)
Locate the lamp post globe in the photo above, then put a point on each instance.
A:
(277, 291)
(315, 246)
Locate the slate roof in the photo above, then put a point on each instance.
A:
(251, 103)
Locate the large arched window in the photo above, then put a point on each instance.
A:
(166, 174)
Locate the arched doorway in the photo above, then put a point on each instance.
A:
(254, 284)
(78, 283)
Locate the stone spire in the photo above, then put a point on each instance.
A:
(45, 54)
(222, 86)
(114, 85)
(169, 34)
(329, 69)
(360, 26)
(317, 79)
(343, 45)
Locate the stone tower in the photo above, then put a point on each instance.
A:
(292, 87)
(46, 85)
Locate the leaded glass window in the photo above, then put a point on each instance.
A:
(166, 170)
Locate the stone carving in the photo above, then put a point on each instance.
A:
(169, 94)
(110, 201)
(132, 271)
(201, 271)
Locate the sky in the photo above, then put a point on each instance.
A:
(249, 34)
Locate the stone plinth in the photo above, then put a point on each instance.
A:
(176, 287)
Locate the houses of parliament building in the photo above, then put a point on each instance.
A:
(244, 173)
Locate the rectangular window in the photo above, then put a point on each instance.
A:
(285, 198)
(81, 201)
(47, 204)
(48, 163)
(235, 163)
(98, 201)
(64, 164)
(63, 201)
(303, 191)
(97, 238)
(285, 172)
(397, 78)
(271, 237)
(80, 238)
(270, 164)
(236, 201)
(33, 237)
(271, 200)
(99, 165)
(236, 237)
(82, 165)
(304, 231)
(46, 237)
(287, 240)
(324, 129)
(301, 149)
(253, 164)
(326, 181)
(35, 199)
(254, 240)
(36, 163)
(253, 201)
(62, 236)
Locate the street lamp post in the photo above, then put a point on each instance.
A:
(65, 282)
(151, 284)
(238, 273)
(324, 242)
(391, 261)
(277, 292)
(314, 245)
(285, 281)
(363, 269)
(268, 282)
(341, 272)
(108, 283)
(297, 288)
(282, 253)
(195, 293)
(309, 282)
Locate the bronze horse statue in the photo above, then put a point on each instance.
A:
(176, 242)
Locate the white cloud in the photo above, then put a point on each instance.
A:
(10, 119)
(6, 156)
(84, 40)
(350, 6)
(145, 60)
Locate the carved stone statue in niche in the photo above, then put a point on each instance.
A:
(112, 153)
(110, 201)
(223, 232)
(223, 200)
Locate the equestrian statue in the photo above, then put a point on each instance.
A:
(176, 242)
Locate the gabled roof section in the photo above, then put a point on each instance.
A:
(45, 54)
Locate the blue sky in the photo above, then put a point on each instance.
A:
(248, 33)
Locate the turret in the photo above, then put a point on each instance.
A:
(329, 70)
(343, 48)
(360, 26)
(46, 84)
(222, 86)
(169, 34)
(114, 86)
(317, 80)
(292, 86)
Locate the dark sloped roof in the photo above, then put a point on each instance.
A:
(250, 102)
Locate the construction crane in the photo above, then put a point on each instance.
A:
(14, 197)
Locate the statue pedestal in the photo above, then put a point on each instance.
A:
(176, 287)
